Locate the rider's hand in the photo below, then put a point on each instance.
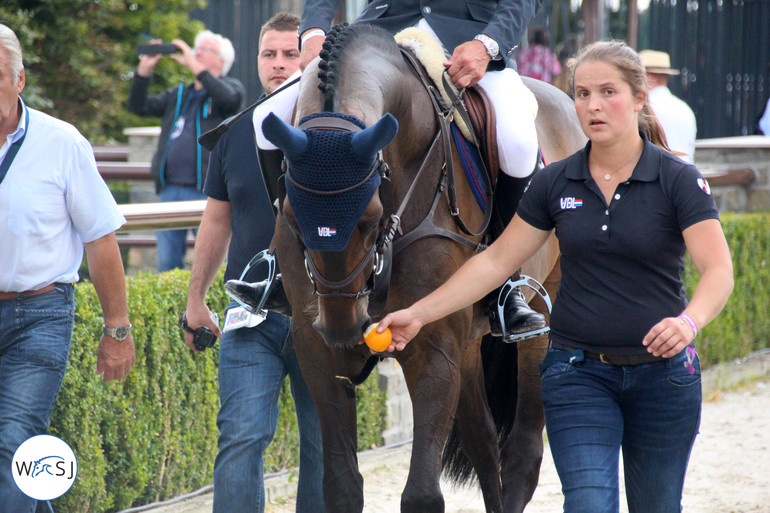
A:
(404, 326)
(310, 50)
(468, 64)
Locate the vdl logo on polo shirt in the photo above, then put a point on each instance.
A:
(44, 467)
(325, 231)
(570, 203)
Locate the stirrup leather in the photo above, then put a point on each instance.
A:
(506, 290)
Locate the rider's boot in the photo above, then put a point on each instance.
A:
(270, 162)
(519, 317)
(251, 294)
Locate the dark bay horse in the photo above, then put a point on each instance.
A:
(340, 205)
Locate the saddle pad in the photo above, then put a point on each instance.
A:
(472, 165)
(430, 54)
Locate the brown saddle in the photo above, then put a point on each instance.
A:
(481, 115)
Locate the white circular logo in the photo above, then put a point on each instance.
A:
(44, 467)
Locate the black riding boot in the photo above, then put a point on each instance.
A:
(251, 294)
(519, 317)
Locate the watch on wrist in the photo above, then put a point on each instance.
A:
(493, 50)
(118, 332)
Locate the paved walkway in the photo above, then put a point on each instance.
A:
(719, 479)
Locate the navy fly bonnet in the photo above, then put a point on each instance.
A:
(332, 172)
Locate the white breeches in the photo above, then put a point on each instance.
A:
(515, 120)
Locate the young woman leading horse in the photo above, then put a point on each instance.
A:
(367, 174)
(621, 371)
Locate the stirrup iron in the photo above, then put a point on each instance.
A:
(506, 290)
(262, 256)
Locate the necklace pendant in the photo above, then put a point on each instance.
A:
(607, 176)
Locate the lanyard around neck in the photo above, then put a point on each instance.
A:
(14, 149)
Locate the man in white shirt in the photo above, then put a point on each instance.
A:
(675, 116)
(52, 203)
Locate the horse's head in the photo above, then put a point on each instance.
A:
(334, 169)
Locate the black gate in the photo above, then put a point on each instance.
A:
(723, 50)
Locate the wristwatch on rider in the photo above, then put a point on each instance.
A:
(493, 50)
(118, 332)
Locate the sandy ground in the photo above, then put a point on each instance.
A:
(729, 468)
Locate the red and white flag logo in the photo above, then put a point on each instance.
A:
(704, 185)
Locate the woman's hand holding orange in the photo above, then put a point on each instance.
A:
(404, 326)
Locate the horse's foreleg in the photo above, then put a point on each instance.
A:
(336, 404)
(432, 373)
(523, 450)
(476, 428)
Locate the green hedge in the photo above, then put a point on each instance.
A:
(153, 436)
(744, 325)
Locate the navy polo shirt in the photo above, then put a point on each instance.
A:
(621, 263)
(234, 175)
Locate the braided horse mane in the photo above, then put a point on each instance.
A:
(344, 42)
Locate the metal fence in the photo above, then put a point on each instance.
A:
(723, 50)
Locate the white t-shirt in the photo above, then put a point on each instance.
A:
(51, 201)
(677, 119)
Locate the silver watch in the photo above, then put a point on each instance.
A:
(493, 50)
(118, 332)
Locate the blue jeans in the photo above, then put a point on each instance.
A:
(172, 244)
(253, 362)
(35, 335)
(651, 410)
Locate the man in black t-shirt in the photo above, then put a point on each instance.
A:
(255, 353)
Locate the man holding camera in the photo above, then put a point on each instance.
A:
(188, 110)
(255, 356)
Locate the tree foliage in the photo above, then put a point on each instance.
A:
(80, 55)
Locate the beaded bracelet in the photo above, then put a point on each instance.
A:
(686, 318)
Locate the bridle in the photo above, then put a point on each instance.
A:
(379, 256)
(336, 287)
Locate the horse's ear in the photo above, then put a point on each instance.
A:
(292, 141)
(371, 140)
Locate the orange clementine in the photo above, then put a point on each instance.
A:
(377, 341)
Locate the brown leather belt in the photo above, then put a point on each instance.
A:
(14, 295)
(615, 359)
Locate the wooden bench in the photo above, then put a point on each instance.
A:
(143, 241)
(722, 177)
(124, 170)
(110, 153)
(157, 216)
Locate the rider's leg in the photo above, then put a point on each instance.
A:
(515, 111)
(282, 105)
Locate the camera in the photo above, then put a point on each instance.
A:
(203, 337)
(157, 49)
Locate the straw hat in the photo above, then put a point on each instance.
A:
(657, 62)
